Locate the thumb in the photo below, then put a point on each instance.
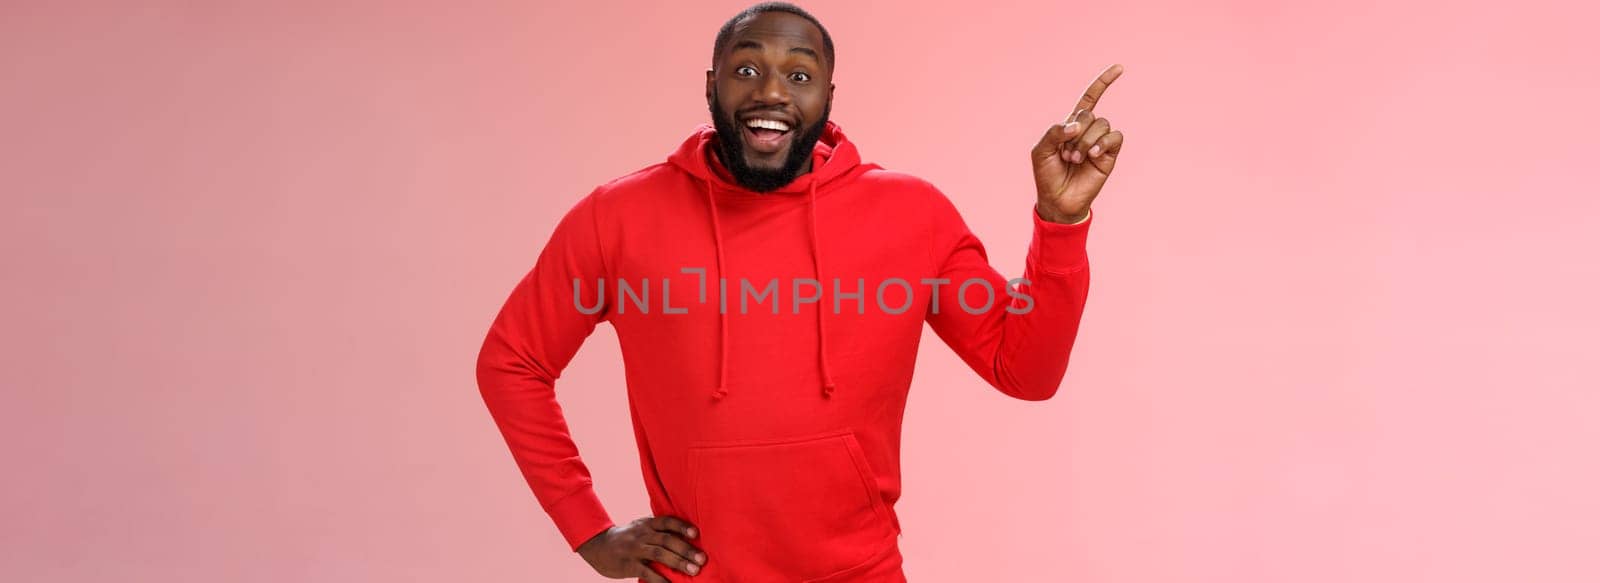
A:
(1054, 137)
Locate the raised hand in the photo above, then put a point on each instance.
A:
(625, 551)
(1075, 157)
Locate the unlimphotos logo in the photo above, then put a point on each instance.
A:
(801, 291)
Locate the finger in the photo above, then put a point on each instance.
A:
(1110, 144)
(1081, 118)
(666, 556)
(674, 524)
(1091, 96)
(1053, 138)
(1098, 129)
(1107, 148)
(647, 574)
(1078, 115)
(678, 546)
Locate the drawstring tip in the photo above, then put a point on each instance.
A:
(827, 390)
(718, 394)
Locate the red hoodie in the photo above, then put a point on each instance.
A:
(772, 425)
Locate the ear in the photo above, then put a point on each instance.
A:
(711, 82)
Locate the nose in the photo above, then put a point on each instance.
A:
(773, 91)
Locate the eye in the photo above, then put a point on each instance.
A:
(800, 77)
(742, 71)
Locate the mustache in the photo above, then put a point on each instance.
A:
(731, 147)
(798, 120)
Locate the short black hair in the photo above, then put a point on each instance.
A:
(763, 8)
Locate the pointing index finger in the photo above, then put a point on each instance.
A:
(1098, 87)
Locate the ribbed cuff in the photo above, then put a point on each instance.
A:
(1059, 248)
(579, 516)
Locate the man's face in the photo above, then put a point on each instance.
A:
(770, 94)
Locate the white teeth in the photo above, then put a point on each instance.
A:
(767, 124)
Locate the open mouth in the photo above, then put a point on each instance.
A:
(767, 136)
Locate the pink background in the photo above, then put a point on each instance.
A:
(1341, 329)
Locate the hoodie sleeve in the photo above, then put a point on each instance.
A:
(1022, 342)
(534, 336)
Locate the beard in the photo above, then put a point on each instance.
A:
(731, 147)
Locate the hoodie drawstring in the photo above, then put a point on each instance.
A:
(722, 315)
(816, 264)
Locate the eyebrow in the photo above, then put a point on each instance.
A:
(750, 44)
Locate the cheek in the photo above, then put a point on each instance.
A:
(726, 95)
(725, 107)
(811, 106)
(811, 99)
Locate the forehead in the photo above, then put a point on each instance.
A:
(777, 30)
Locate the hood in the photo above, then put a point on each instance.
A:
(834, 161)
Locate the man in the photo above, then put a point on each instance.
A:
(768, 290)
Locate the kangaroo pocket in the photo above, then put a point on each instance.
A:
(786, 510)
